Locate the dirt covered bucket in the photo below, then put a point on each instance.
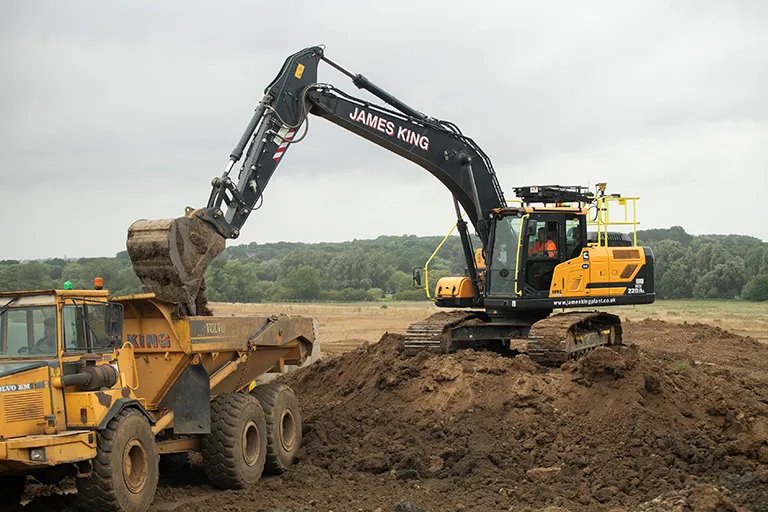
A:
(170, 257)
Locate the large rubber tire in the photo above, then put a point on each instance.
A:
(11, 491)
(125, 470)
(235, 451)
(281, 410)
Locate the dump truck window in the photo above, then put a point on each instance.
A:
(97, 331)
(23, 332)
(80, 335)
(74, 332)
(17, 330)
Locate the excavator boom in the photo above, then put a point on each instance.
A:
(170, 256)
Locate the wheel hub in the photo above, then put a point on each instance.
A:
(135, 466)
(251, 443)
(287, 430)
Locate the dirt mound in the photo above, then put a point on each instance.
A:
(604, 362)
(677, 420)
(699, 498)
(508, 433)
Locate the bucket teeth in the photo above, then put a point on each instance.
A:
(170, 257)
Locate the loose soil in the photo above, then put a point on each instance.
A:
(675, 420)
(170, 258)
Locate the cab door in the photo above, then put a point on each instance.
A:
(541, 251)
(572, 276)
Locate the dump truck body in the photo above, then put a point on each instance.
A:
(125, 360)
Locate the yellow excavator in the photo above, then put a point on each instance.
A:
(534, 257)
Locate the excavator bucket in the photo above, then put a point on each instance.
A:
(170, 257)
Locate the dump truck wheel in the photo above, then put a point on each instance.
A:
(125, 470)
(11, 490)
(283, 416)
(235, 451)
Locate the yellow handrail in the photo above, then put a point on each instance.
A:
(426, 265)
(133, 363)
(519, 251)
(603, 219)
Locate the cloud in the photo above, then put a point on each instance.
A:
(114, 112)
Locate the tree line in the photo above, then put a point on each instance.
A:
(708, 266)
(687, 266)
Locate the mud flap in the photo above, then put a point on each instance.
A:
(190, 400)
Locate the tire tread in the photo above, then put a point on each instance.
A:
(218, 448)
(98, 492)
(268, 395)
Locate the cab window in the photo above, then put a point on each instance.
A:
(84, 327)
(544, 253)
(573, 238)
(28, 331)
(543, 244)
(503, 261)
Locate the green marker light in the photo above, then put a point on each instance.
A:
(68, 285)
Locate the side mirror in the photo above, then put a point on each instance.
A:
(113, 322)
(530, 228)
(416, 277)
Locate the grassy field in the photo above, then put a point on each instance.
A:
(345, 326)
(746, 318)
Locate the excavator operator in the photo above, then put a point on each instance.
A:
(544, 245)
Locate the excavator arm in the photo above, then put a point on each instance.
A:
(282, 118)
(172, 264)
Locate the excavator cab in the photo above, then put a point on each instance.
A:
(555, 250)
(558, 237)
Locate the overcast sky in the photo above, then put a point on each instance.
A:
(115, 111)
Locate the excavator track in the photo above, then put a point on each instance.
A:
(549, 342)
(433, 333)
(558, 338)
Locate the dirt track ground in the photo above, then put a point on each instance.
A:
(678, 422)
(345, 326)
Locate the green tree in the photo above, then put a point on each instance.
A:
(756, 260)
(756, 289)
(304, 257)
(399, 281)
(725, 281)
(676, 282)
(305, 282)
(374, 294)
(665, 252)
(675, 233)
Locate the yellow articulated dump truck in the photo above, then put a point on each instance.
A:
(111, 390)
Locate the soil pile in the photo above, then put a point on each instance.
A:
(677, 420)
(615, 429)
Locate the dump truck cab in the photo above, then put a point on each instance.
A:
(103, 388)
(56, 348)
(62, 377)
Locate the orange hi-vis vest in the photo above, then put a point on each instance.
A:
(549, 247)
